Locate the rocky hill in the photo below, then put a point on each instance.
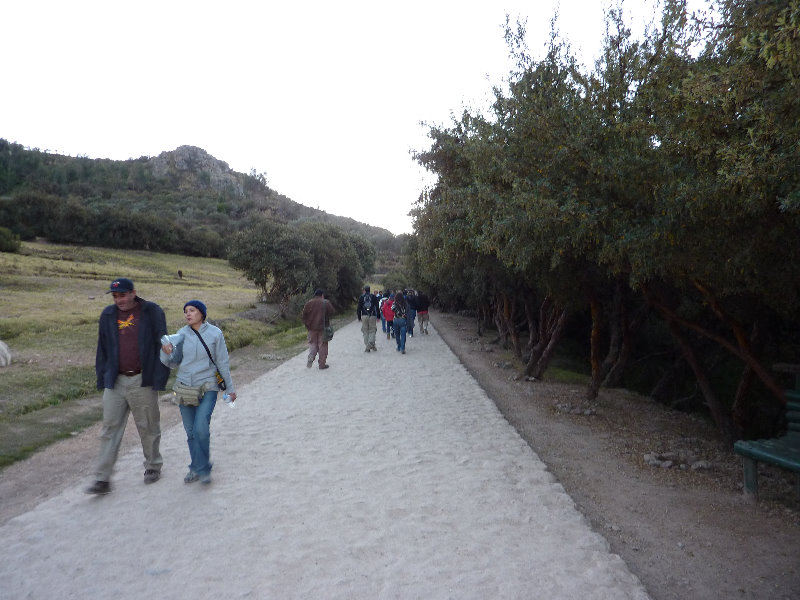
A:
(186, 190)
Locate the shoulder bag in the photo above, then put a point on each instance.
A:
(328, 334)
(220, 381)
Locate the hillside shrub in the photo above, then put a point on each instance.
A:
(9, 241)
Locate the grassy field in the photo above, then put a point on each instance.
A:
(51, 297)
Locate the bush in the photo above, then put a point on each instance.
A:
(9, 241)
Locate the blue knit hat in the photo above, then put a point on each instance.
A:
(198, 305)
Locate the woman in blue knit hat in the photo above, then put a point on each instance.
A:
(199, 352)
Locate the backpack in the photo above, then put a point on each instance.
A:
(367, 304)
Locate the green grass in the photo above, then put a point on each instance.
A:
(51, 296)
(29, 390)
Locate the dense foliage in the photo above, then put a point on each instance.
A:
(289, 262)
(653, 202)
(9, 241)
(183, 201)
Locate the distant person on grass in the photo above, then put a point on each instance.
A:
(200, 353)
(316, 314)
(367, 313)
(130, 375)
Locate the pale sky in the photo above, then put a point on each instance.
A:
(325, 98)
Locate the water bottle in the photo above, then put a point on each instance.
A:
(173, 339)
(227, 400)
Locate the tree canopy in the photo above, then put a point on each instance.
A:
(663, 183)
(290, 261)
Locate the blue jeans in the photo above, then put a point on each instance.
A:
(383, 322)
(412, 314)
(400, 333)
(197, 423)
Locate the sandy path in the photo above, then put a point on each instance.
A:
(385, 476)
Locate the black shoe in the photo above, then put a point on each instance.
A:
(99, 488)
(151, 476)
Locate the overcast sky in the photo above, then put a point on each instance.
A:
(325, 98)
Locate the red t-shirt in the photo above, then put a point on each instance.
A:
(128, 336)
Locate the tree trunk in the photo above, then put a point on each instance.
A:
(532, 324)
(541, 338)
(721, 418)
(594, 351)
(628, 328)
(741, 349)
(551, 324)
(554, 335)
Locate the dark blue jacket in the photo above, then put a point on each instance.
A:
(361, 311)
(152, 326)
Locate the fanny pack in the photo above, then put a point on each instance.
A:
(189, 395)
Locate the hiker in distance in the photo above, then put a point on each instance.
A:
(400, 310)
(423, 304)
(367, 313)
(316, 316)
(199, 352)
(130, 375)
(388, 314)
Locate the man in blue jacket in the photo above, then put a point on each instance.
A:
(130, 374)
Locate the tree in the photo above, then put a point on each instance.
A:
(275, 257)
(9, 241)
(338, 266)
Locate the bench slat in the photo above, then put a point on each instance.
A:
(783, 452)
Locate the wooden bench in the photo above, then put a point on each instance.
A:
(784, 451)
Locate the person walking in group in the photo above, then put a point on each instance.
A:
(367, 313)
(411, 301)
(316, 314)
(199, 352)
(423, 304)
(388, 315)
(400, 310)
(381, 299)
(130, 375)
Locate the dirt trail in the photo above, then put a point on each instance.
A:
(685, 533)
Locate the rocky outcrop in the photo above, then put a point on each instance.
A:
(194, 167)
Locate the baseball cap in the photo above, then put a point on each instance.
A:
(120, 285)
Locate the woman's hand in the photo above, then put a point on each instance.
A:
(232, 396)
(167, 348)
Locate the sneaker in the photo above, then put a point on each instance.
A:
(374, 348)
(191, 477)
(403, 351)
(366, 349)
(310, 362)
(99, 488)
(151, 476)
(323, 367)
(205, 478)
